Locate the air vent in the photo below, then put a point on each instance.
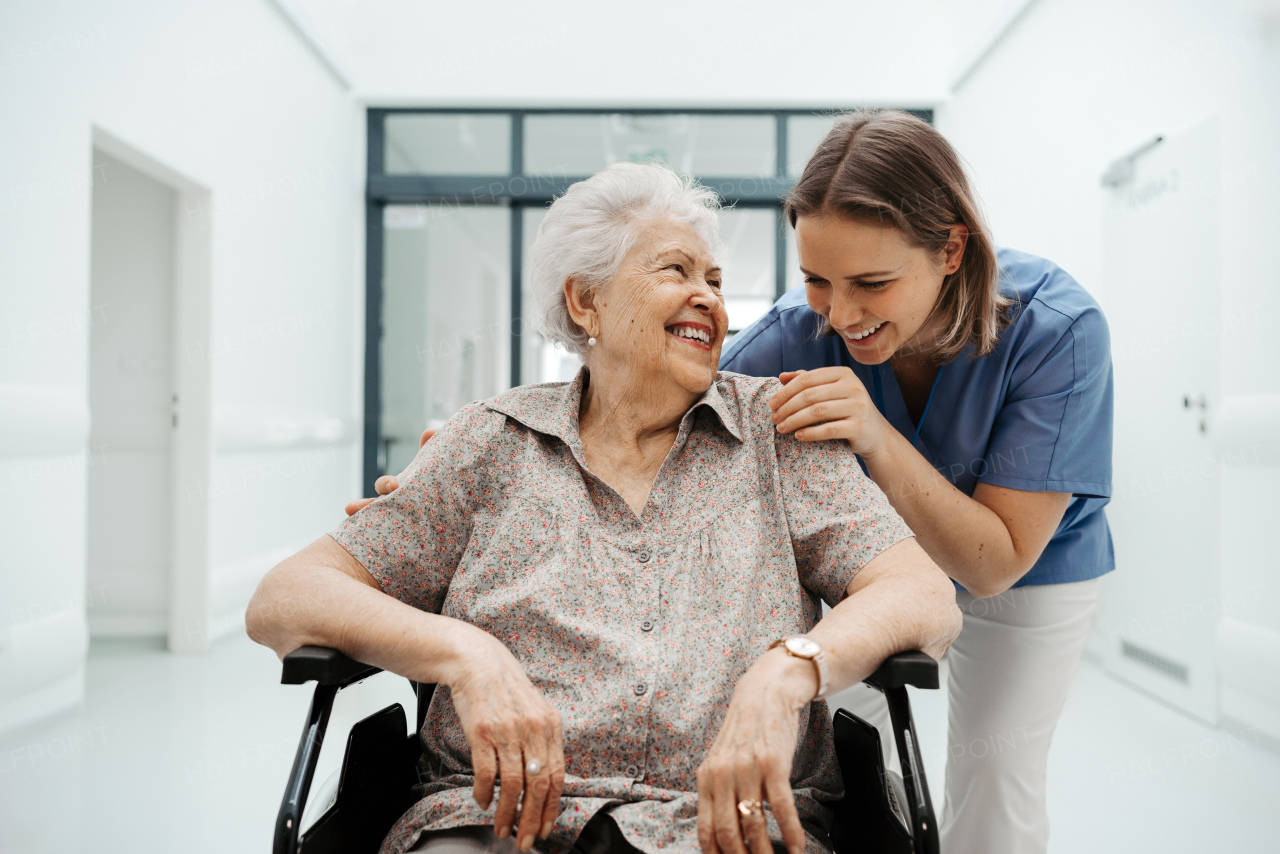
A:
(1173, 669)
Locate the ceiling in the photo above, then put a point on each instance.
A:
(664, 52)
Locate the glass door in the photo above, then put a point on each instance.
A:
(446, 318)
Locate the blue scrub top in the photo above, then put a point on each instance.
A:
(1034, 414)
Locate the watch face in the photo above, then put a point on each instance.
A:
(803, 647)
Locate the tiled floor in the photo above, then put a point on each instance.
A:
(189, 754)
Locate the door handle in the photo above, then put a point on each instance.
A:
(1202, 403)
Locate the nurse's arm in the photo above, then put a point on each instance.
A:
(986, 542)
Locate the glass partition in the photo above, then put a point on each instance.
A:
(447, 144)
(446, 318)
(748, 263)
(803, 135)
(572, 144)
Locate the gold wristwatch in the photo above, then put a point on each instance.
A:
(803, 646)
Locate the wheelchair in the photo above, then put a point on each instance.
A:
(883, 812)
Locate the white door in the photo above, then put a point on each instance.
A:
(1162, 260)
(131, 401)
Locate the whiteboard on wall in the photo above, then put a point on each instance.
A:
(1162, 261)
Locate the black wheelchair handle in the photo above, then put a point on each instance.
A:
(914, 668)
(924, 824)
(324, 666)
(332, 671)
(327, 666)
(289, 819)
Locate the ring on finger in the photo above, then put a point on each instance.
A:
(748, 807)
(533, 767)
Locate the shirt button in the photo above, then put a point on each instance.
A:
(646, 626)
(644, 557)
(632, 771)
(641, 688)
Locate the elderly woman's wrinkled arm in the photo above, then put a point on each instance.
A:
(323, 596)
(899, 601)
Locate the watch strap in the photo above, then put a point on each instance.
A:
(819, 660)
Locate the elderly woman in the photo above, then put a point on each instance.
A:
(616, 581)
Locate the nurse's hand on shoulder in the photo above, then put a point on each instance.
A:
(829, 403)
(384, 485)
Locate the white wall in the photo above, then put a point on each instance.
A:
(1075, 84)
(227, 96)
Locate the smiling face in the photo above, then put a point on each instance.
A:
(874, 288)
(662, 317)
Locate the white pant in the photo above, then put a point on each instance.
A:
(1009, 673)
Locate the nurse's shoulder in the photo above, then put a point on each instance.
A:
(1049, 302)
(1038, 283)
(1055, 320)
(777, 340)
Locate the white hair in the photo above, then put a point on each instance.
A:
(589, 230)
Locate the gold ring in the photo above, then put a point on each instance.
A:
(749, 807)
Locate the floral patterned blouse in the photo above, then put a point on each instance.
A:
(636, 628)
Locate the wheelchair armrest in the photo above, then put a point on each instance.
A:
(332, 671)
(918, 669)
(324, 665)
(914, 668)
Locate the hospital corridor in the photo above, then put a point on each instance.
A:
(690, 428)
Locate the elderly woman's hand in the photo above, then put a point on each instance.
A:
(509, 726)
(750, 760)
(829, 403)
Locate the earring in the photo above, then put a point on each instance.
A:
(591, 342)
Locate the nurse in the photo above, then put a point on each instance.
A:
(975, 385)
